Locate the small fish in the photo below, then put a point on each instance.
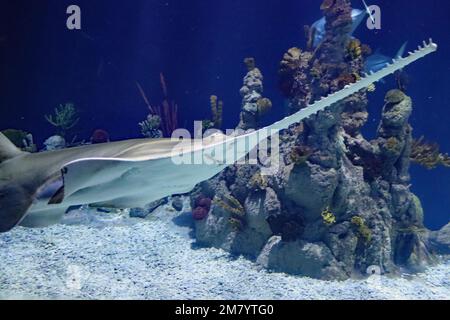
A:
(319, 26)
(378, 61)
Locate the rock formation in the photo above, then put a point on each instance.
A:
(253, 104)
(339, 204)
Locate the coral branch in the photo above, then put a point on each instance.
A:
(167, 112)
(65, 118)
(144, 96)
(428, 154)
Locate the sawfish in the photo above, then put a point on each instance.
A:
(36, 189)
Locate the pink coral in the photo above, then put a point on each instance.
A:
(100, 136)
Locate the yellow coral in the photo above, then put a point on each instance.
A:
(354, 50)
(328, 217)
(363, 231)
(236, 224)
(315, 72)
(326, 4)
(216, 110)
(291, 60)
(213, 100)
(357, 76)
(258, 181)
(371, 87)
(231, 204)
(218, 119)
(393, 145)
(264, 106)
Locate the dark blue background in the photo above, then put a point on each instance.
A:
(200, 45)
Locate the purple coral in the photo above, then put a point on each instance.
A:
(204, 202)
(199, 213)
(100, 136)
(202, 206)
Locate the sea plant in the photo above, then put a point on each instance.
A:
(428, 154)
(150, 127)
(216, 106)
(21, 139)
(64, 118)
(167, 111)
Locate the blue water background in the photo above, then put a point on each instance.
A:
(199, 45)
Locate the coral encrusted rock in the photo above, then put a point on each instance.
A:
(339, 204)
(254, 105)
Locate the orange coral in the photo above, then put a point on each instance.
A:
(346, 79)
(327, 4)
(354, 50)
(250, 63)
(428, 154)
(291, 60)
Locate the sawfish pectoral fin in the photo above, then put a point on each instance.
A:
(43, 218)
(15, 199)
(15, 202)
